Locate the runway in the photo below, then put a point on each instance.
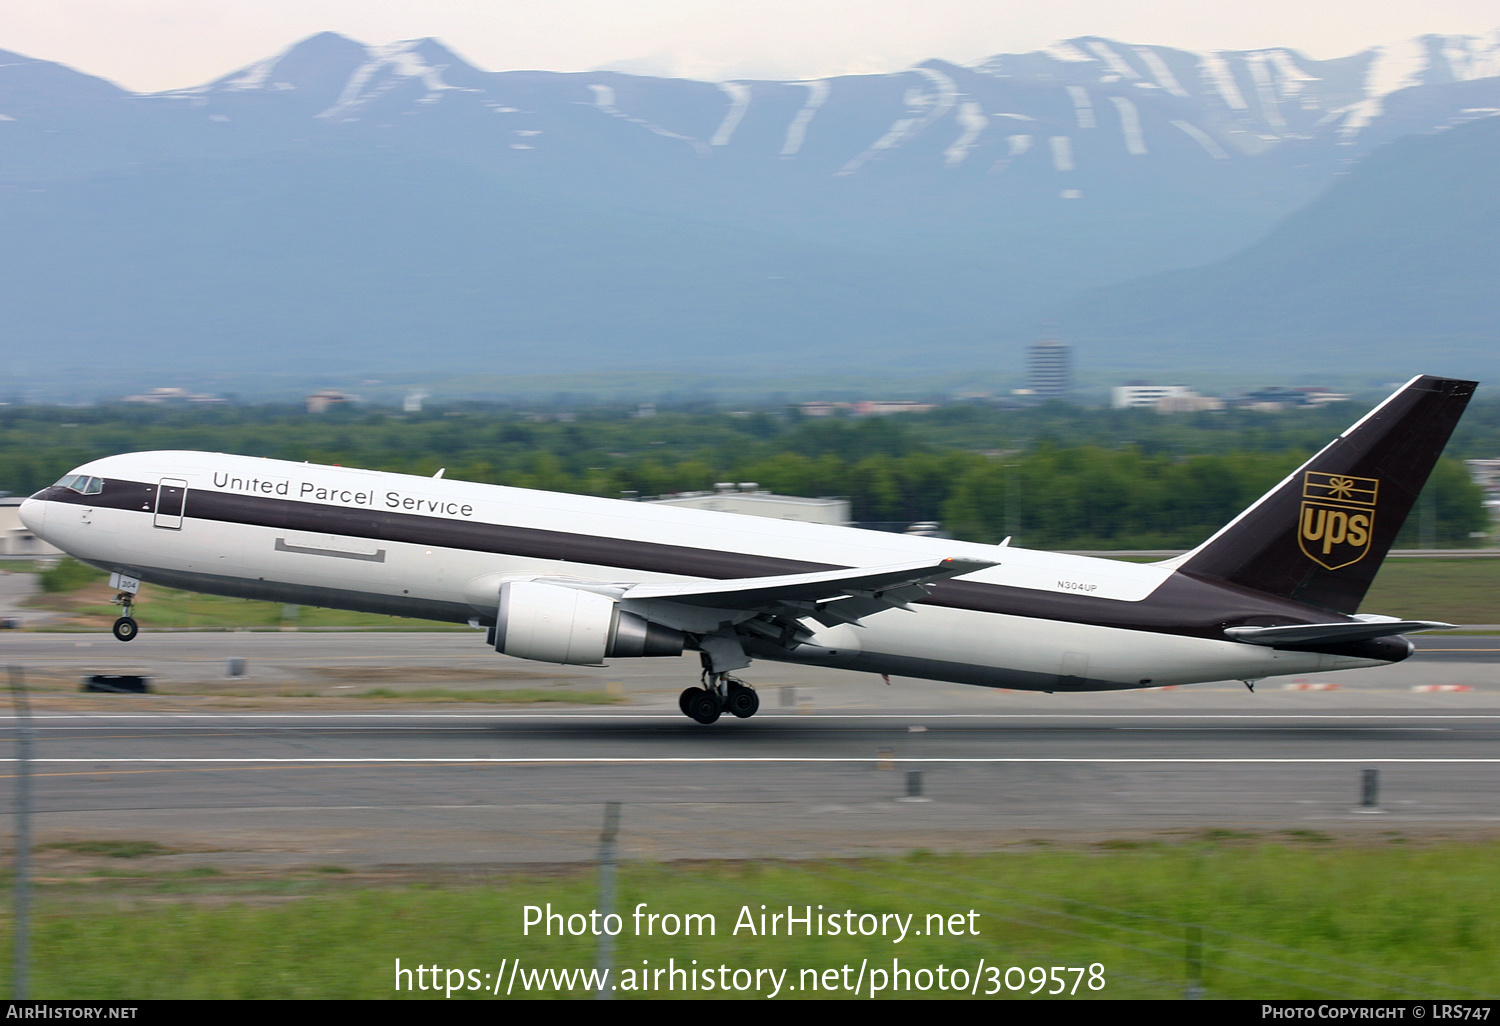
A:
(248, 779)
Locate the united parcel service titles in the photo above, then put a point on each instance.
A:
(312, 491)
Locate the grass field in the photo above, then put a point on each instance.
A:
(1295, 914)
(1456, 590)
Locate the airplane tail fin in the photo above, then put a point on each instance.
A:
(1320, 535)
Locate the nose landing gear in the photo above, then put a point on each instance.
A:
(719, 694)
(125, 628)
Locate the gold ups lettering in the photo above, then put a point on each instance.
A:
(1337, 518)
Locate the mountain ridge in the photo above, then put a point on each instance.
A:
(1405, 247)
(936, 214)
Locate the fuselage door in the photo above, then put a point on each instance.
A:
(171, 497)
(1075, 671)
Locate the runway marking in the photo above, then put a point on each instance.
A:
(1437, 730)
(306, 808)
(646, 760)
(915, 717)
(277, 765)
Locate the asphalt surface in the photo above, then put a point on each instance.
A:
(283, 767)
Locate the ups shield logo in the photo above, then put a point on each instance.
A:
(1337, 519)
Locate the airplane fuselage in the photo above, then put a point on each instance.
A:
(441, 549)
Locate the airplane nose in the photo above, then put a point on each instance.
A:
(33, 514)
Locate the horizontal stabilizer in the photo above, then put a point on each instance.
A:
(1302, 634)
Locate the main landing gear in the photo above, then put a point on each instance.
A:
(125, 628)
(719, 694)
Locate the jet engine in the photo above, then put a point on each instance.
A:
(555, 624)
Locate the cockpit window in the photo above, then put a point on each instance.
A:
(81, 483)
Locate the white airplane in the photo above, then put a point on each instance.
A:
(576, 580)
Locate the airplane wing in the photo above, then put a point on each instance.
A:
(1332, 633)
(831, 597)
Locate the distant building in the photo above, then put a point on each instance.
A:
(863, 408)
(1486, 474)
(1188, 402)
(1322, 396)
(881, 408)
(1278, 397)
(16, 538)
(748, 498)
(1049, 369)
(161, 396)
(319, 402)
(411, 404)
(1127, 397)
(1163, 399)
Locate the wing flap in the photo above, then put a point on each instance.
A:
(892, 584)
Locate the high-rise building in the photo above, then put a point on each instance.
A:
(1049, 369)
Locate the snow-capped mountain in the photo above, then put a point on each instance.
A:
(1086, 107)
(1249, 101)
(942, 208)
(1227, 104)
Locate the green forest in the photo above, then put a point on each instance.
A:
(1054, 476)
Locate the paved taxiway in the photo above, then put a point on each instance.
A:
(819, 772)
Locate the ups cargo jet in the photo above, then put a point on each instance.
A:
(574, 579)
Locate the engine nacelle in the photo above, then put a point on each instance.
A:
(555, 624)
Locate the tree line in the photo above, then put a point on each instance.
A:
(1050, 477)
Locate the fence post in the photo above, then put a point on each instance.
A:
(19, 988)
(604, 958)
(1194, 989)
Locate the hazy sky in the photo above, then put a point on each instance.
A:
(160, 44)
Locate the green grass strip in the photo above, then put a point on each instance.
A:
(1279, 916)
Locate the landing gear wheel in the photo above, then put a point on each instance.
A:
(743, 702)
(686, 697)
(704, 706)
(126, 629)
